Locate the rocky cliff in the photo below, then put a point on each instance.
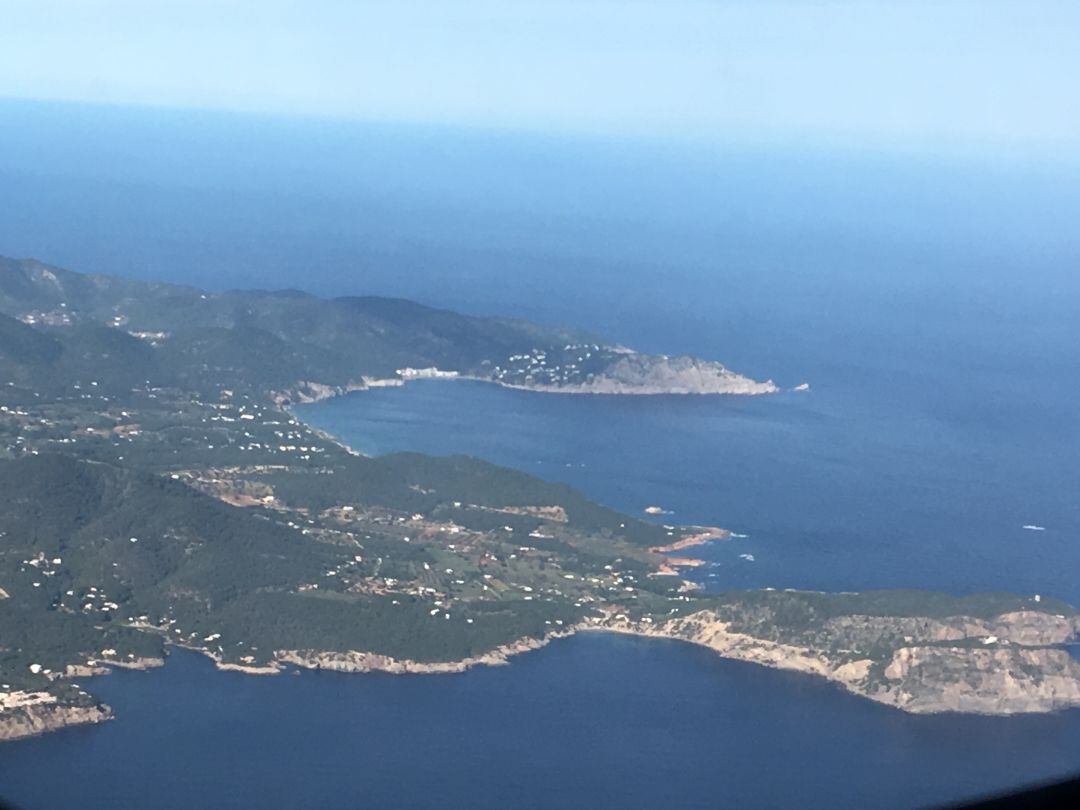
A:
(38, 718)
(1008, 664)
(999, 680)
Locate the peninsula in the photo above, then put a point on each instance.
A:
(159, 493)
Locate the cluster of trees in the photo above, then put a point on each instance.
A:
(273, 339)
(411, 482)
(405, 630)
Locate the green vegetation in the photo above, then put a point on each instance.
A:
(271, 339)
(89, 545)
(158, 491)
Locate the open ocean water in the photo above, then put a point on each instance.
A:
(932, 303)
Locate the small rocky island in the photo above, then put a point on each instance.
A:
(159, 493)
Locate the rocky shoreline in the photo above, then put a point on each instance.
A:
(358, 661)
(130, 663)
(1026, 674)
(950, 668)
(18, 723)
(308, 392)
(636, 374)
(353, 661)
(706, 535)
(28, 714)
(1013, 664)
(633, 374)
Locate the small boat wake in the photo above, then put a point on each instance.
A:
(1031, 527)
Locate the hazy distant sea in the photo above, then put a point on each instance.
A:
(933, 305)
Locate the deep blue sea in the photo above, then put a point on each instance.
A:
(590, 722)
(933, 303)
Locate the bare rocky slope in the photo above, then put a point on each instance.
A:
(635, 373)
(40, 718)
(1010, 664)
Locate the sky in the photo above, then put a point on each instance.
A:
(943, 73)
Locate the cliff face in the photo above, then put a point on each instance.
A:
(306, 392)
(1010, 680)
(1026, 628)
(705, 629)
(642, 373)
(31, 720)
(1004, 665)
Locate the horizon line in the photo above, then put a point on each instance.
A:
(1045, 151)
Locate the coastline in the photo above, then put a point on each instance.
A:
(1014, 678)
(23, 722)
(998, 693)
(309, 392)
(134, 663)
(317, 392)
(750, 388)
(998, 681)
(358, 662)
(709, 534)
(849, 675)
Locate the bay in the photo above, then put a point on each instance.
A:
(931, 302)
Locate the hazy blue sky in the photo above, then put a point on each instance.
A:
(942, 72)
